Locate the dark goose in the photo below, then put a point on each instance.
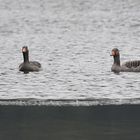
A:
(28, 66)
(129, 66)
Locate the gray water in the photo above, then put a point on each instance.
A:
(72, 39)
(109, 122)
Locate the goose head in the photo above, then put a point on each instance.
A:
(116, 55)
(25, 52)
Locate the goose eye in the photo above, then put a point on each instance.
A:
(117, 52)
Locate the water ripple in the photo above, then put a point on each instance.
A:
(72, 40)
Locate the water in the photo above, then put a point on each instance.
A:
(72, 39)
(70, 123)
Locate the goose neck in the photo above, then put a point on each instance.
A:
(117, 60)
(26, 56)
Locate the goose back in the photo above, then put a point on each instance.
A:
(132, 64)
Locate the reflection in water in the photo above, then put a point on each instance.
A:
(70, 123)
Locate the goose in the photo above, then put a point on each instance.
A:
(28, 66)
(128, 66)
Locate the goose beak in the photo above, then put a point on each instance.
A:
(23, 49)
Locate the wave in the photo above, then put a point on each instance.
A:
(68, 102)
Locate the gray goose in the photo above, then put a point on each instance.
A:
(129, 66)
(28, 66)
